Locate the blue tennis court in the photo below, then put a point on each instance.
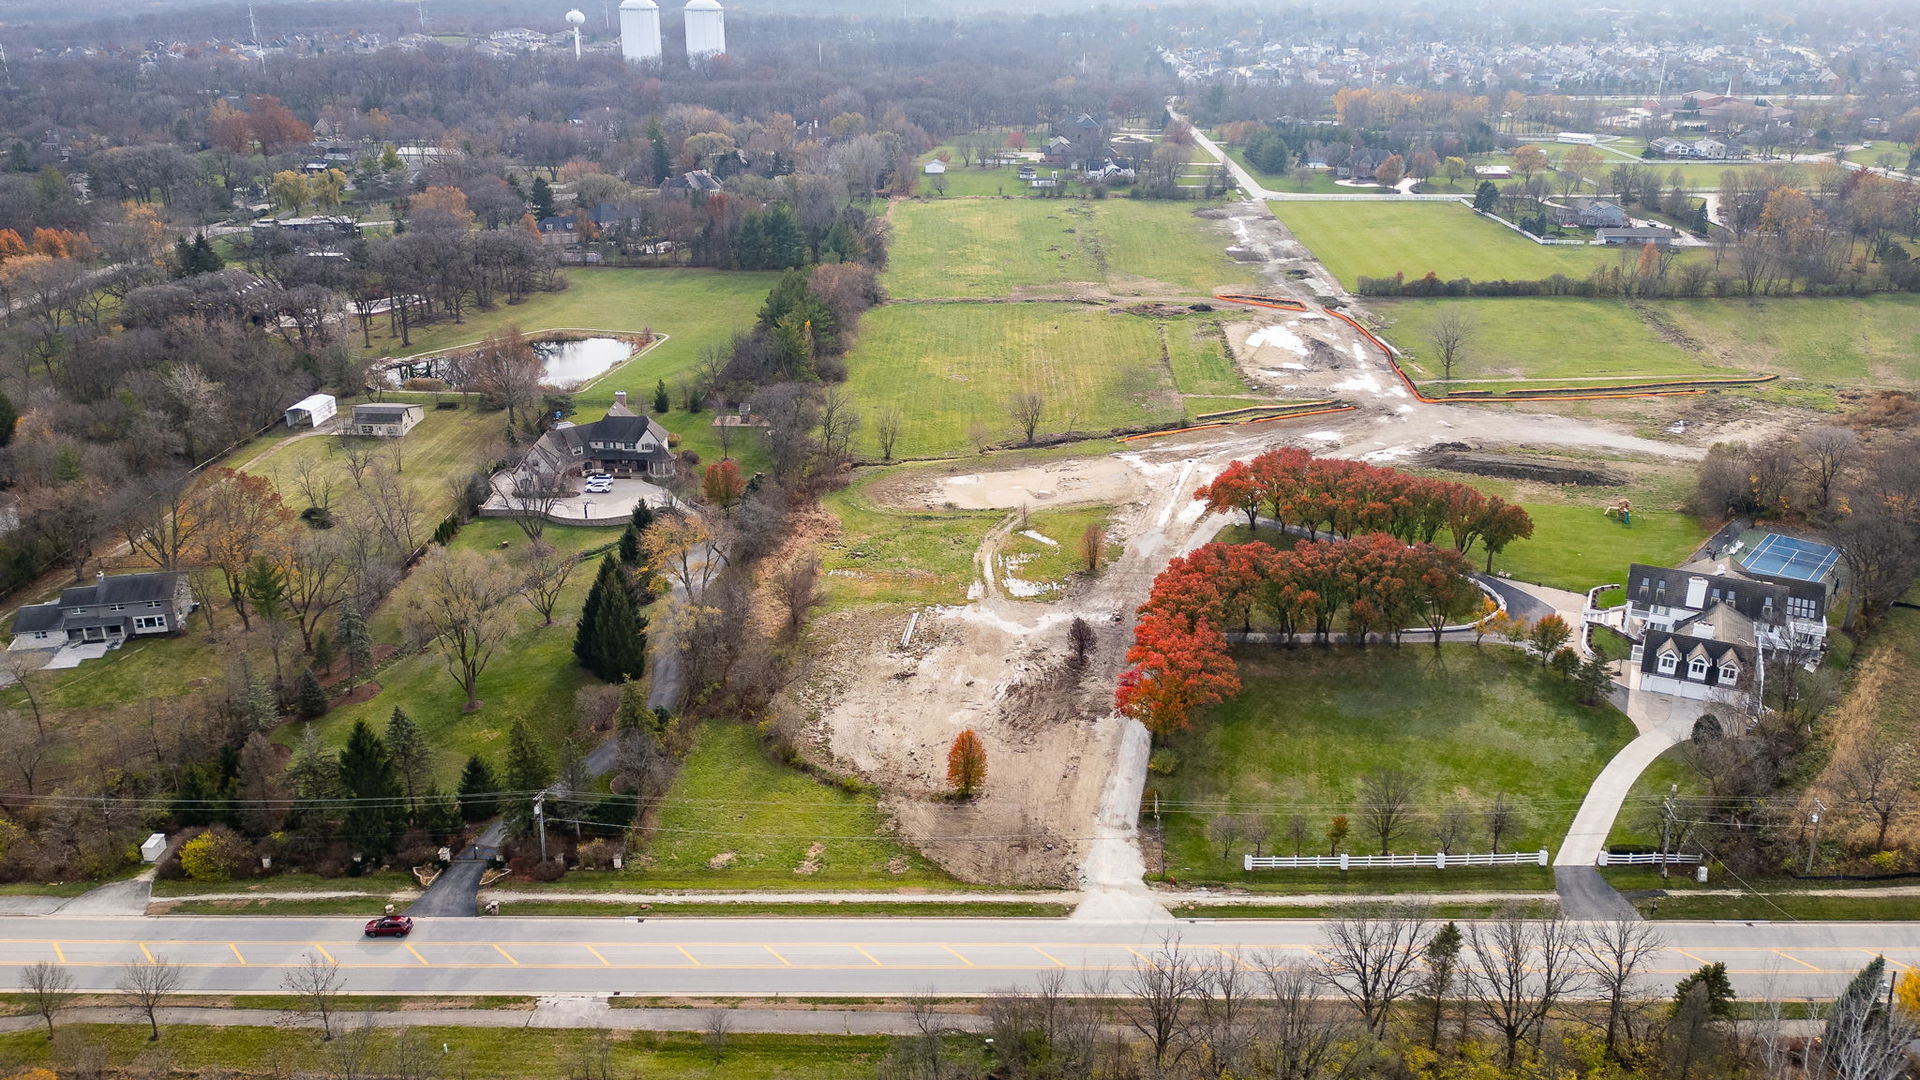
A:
(1786, 557)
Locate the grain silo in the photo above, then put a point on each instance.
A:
(639, 30)
(706, 29)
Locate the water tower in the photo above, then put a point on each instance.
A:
(706, 29)
(576, 18)
(639, 30)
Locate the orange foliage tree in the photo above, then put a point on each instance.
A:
(966, 764)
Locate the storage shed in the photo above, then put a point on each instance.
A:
(312, 411)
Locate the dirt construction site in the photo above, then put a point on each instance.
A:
(890, 692)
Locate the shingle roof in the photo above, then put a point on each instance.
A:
(122, 589)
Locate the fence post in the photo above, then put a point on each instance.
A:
(1603, 858)
(1246, 862)
(1439, 860)
(1543, 856)
(1343, 860)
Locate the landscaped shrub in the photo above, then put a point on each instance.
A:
(218, 854)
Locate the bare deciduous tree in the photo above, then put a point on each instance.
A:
(1160, 994)
(1387, 800)
(543, 574)
(1877, 777)
(716, 1031)
(146, 985)
(1301, 1040)
(886, 431)
(357, 451)
(1519, 970)
(1028, 408)
(796, 584)
(313, 479)
(1450, 332)
(1828, 452)
(1372, 958)
(1616, 955)
(453, 604)
(1500, 820)
(49, 987)
(315, 985)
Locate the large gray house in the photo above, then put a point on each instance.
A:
(110, 610)
(621, 444)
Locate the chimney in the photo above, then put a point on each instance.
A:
(620, 398)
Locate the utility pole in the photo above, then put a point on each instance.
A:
(540, 822)
(1814, 845)
(1666, 829)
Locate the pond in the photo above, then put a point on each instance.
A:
(570, 363)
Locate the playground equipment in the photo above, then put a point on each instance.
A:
(1621, 508)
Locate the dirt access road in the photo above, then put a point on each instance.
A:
(1065, 773)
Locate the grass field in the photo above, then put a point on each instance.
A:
(1816, 344)
(532, 676)
(510, 1053)
(734, 820)
(1467, 723)
(447, 444)
(695, 308)
(1051, 566)
(1576, 547)
(998, 248)
(1507, 343)
(1323, 181)
(948, 367)
(889, 556)
(1411, 238)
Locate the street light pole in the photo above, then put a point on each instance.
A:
(540, 822)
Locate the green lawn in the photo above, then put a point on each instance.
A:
(532, 675)
(447, 444)
(694, 307)
(1871, 341)
(1026, 247)
(511, 1053)
(1467, 723)
(1576, 547)
(822, 909)
(1197, 352)
(1540, 340)
(734, 820)
(1049, 567)
(948, 367)
(1412, 238)
(892, 556)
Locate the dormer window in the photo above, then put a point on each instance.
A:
(1668, 662)
(1729, 672)
(1697, 668)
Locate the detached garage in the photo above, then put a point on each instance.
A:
(312, 411)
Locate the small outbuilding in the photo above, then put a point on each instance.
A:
(935, 167)
(312, 411)
(388, 419)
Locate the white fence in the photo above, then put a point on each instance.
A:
(1436, 861)
(1651, 858)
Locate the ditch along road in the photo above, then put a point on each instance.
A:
(815, 957)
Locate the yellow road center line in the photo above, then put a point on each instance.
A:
(695, 961)
(784, 962)
(1050, 957)
(604, 962)
(417, 956)
(868, 955)
(1143, 959)
(1690, 956)
(957, 955)
(57, 953)
(327, 956)
(1796, 960)
(502, 950)
(145, 953)
(236, 953)
(1234, 956)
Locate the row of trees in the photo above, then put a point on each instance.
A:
(1374, 584)
(1295, 489)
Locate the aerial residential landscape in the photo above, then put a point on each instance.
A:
(739, 539)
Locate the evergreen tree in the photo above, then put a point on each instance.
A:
(542, 198)
(477, 785)
(1440, 981)
(438, 813)
(610, 639)
(258, 710)
(1858, 1012)
(409, 749)
(355, 642)
(324, 652)
(661, 402)
(629, 550)
(311, 698)
(662, 161)
(9, 419)
(1485, 197)
(526, 773)
(642, 517)
(573, 796)
(1719, 989)
(375, 818)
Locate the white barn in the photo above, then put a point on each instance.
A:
(312, 411)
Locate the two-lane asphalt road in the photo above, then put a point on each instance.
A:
(815, 957)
